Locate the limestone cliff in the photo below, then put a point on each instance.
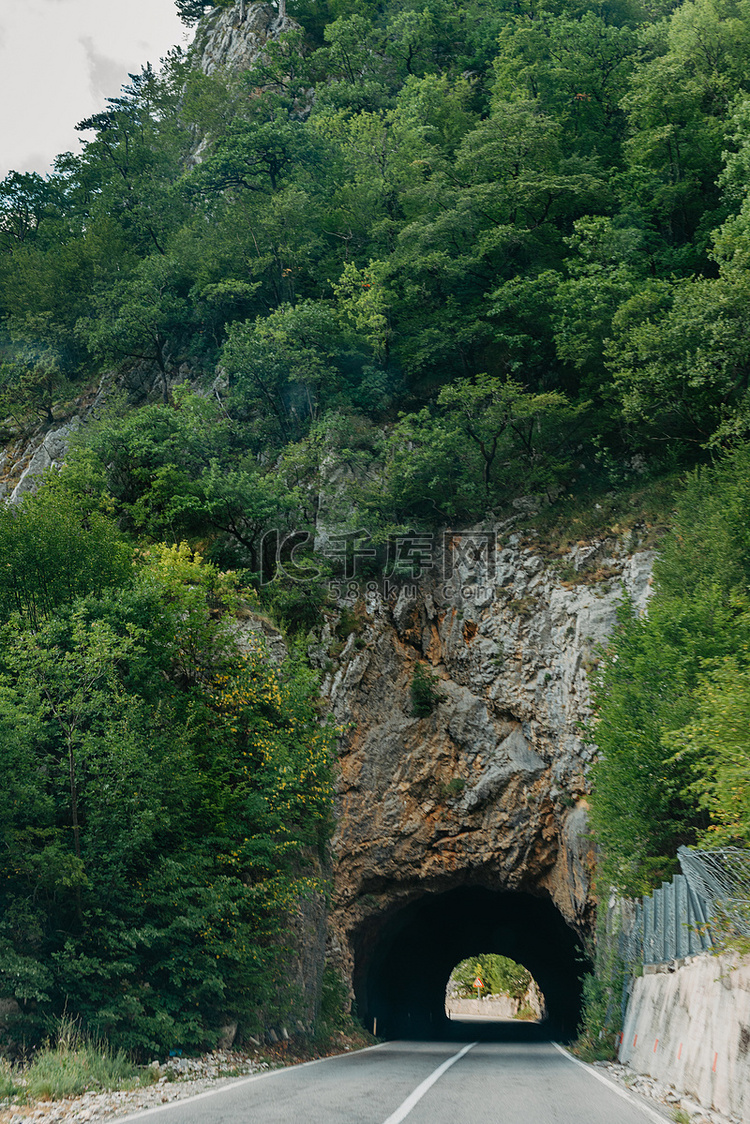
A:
(234, 38)
(490, 788)
(35, 449)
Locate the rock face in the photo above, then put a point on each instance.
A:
(233, 38)
(489, 788)
(24, 461)
(42, 454)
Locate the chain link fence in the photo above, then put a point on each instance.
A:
(722, 880)
(683, 917)
(695, 912)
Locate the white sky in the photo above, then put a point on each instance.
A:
(59, 60)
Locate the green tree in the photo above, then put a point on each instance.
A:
(576, 66)
(56, 546)
(677, 109)
(487, 437)
(129, 168)
(282, 368)
(655, 681)
(27, 201)
(499, 975)
(191, 11)
(35, 367)
(713, 748)
(169, 788)
(144, 317)
(181, 471)
(680, 359)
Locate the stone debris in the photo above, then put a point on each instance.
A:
(672, 1099)
(176, 1079)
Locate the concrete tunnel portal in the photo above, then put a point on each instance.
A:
(402, 961)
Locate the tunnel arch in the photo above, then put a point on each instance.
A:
(506, 990)
(402, 960)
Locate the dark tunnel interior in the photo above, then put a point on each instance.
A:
(402, 963)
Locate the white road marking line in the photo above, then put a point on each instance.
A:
(235, 1083)
(403, 1110)
(659, 1117)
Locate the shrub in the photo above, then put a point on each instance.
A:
(333, 999)
(424, 693)
(8, 1087)
(74, 1065)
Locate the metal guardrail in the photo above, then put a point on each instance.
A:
(670, 924)
(686, 916)
(712, 893)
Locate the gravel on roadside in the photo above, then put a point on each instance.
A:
(175, 1079)
(665, 1095)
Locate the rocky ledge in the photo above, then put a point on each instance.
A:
(233, 38)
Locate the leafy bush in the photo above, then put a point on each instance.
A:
(596, 1036)
(454, 787)
(56, 546)
(296, 605)
(425, 695)
(334, 997)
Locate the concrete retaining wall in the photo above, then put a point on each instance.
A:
(689, 1026)
(495, 1006)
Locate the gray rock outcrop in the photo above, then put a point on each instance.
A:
(490, 787)
(234, 38)
(44, 453)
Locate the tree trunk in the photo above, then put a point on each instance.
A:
(74, 800)
(74, 820)
(161, 362)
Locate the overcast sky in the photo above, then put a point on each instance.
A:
(59, 60)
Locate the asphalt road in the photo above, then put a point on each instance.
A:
(422, 1083)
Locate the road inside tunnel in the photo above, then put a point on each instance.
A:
(402, 962)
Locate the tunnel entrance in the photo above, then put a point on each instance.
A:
(495, 988)
(403, 962)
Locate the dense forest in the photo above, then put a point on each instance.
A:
(471, 251)
(167, 788)
(673, 693)
(488, 250)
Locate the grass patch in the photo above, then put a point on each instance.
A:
(76, 1065)
(454, 787)
(8, 1084)
(149, 1076)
